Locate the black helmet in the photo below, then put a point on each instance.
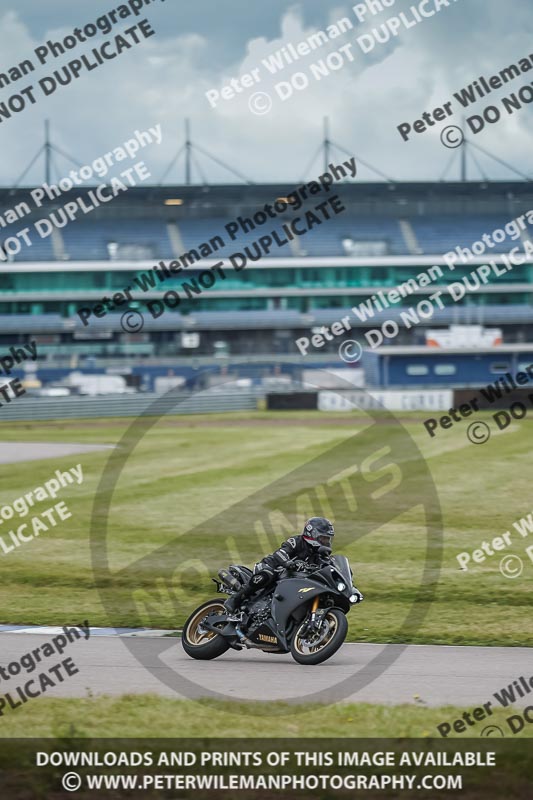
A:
(318, 532)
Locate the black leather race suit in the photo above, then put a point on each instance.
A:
(265, 574)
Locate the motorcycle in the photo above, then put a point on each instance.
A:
(304, 613)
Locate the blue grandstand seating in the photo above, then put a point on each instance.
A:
(323, 240)
(87, 240)
(442, 235)
(40, 250)
(326, 240)
(195, 231)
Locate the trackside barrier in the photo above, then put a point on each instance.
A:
(35, 408)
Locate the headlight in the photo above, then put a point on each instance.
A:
(353, 598)
(341, 587)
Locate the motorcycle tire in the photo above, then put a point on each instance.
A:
(305, 653)
(197, 644)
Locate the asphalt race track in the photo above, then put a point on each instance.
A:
(12, 452)
(424, 674)
(432, 675)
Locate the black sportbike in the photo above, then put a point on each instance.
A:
(304, 613)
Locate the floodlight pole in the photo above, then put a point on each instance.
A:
(327, 143)
(463, 155)
(187, 153)
(47, 152)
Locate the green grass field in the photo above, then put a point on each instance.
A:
(150, 716)
(198, 491)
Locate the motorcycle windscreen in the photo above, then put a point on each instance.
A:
(342, 565)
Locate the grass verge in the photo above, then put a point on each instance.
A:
(151, 716)
(186, 470)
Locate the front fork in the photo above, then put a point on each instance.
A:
(315, 620)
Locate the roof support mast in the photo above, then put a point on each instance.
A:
(188, 154)
(463, 155)
(327, 143)
(47, 152)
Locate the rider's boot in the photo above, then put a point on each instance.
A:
(233, 602)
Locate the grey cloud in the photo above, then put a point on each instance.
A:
(203, 45)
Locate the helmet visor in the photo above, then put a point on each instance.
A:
(324, 540)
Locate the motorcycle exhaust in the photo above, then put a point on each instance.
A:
(229, 580)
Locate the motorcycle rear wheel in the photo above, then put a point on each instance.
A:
(304, 652)
(203, 645)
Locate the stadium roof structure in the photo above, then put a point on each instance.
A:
(49, 151)
(179, 199)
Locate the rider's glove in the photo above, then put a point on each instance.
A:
(296, 565)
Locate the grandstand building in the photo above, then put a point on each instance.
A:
(385, 239)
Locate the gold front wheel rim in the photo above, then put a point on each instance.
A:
(192, 634)
(307, 650)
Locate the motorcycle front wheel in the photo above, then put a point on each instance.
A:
(318, 647)
(197, 641)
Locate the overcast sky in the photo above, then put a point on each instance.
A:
(200, 46)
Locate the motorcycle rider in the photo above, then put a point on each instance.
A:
(296, 553)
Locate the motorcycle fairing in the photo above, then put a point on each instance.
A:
(265, 637)
(290, 593)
